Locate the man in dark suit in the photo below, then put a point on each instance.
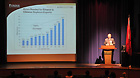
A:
(108, 42)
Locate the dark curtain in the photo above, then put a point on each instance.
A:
(95, 19)
(2, 33)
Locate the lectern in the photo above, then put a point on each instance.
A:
(107, 53)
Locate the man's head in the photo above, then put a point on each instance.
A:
(109, 35)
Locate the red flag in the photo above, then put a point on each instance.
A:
(128, 38)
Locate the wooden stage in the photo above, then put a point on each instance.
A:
(41, 70)
(57, 65)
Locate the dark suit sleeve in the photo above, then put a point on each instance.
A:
(105, 42)
(113, 41)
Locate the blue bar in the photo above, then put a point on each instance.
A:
(31, 41)
(54, 35)
(51, 37)
(35, 40)
(22, 42)
(43, 40)
(27, 43)
(39, 40)
(58, 33)
(47, 39)
(62, 31)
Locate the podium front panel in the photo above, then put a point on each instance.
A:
(107, 57)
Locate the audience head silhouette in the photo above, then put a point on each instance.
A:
(13, 73)
(112, 75)
(55, 73)
(124, 74)
(107, 72)
(87, 72)
(69, 73)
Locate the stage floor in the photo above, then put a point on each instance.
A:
(42, 70)
(58, 65)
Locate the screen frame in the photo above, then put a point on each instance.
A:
(34, 59)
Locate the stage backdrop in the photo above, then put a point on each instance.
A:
(97, 18)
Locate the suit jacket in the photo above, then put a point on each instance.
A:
(109, 41)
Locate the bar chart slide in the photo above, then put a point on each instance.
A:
(46, 35)
(42, 29)
(41, 32)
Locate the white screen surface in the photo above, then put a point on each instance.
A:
(42, 29)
